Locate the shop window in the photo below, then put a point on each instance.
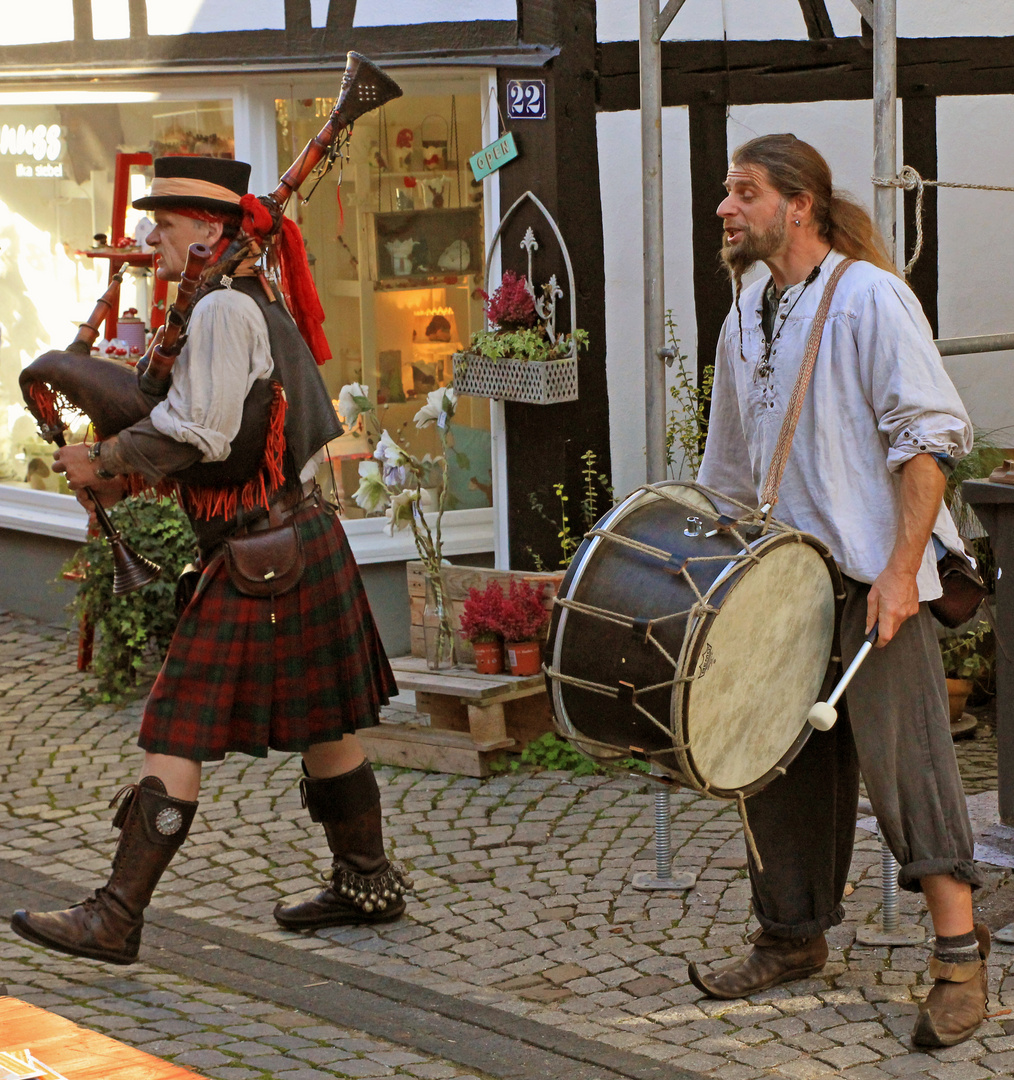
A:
(57, 170)
(397, 254)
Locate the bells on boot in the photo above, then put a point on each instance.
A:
(956, 1004)
(363, 886)
(107, 926)
(773, 960)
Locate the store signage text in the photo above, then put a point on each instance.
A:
(42, 142)
(39, 170)
(491, 157)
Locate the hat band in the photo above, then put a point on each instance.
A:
(186, 188)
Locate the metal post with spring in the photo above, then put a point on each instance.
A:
(663, 878)
(889, 931)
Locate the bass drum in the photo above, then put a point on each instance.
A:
(694, 640)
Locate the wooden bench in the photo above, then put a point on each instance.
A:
(76, 1052)
(473, 719)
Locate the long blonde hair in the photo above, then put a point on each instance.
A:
(795, 167)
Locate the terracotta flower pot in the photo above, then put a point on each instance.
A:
(524, 657)
(957, 695)
(488, 657)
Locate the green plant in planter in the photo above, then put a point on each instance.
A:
(971, 655)
(519, 332)
(132, 632)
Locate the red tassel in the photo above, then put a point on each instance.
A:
(300, 292)
(257, 220)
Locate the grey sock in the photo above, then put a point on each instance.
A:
(959, 949)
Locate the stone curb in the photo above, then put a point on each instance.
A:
(477, 1036)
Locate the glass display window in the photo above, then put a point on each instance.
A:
(397, 254)
(58, 238)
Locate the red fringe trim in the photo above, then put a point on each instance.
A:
(209, 502)
(44, 399)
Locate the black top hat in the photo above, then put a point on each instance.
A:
(204, 183)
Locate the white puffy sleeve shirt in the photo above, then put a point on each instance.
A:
(227, 350)
(879, 396)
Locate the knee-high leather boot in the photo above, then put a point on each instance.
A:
(364, 887)
(107, 926)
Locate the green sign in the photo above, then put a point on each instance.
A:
(491, 157)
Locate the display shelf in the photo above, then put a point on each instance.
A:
(429, 243)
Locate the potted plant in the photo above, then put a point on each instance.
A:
(522, 618)
(968, 662)
(520, 356)
(481, 618)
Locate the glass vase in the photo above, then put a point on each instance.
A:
(438, 632)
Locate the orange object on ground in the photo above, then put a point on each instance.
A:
(75, 1051)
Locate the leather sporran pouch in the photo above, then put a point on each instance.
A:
(186, 586)
(267, 562)
(963, 589)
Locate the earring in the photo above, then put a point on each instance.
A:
(797, 223)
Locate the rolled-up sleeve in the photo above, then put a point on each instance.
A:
(227, 350)
(918, 409)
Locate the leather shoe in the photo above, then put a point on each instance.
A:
(956, 1005)
(773, 960)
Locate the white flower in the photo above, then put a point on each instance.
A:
(399, 513)
(442, 400)
(393, 460)
(353, 400)
(371, 494)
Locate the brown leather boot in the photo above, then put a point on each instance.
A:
(107, 926)
(364, 887)
(773, 960)
(956, 1005)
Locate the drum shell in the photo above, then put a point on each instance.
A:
(640, 586)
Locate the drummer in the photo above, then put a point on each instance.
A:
(880, 429)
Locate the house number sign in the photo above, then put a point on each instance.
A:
(526, 99)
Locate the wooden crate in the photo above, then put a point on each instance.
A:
(459, 579)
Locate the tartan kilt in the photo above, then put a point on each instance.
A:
(234, 681)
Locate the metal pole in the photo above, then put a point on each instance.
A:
(654, 284)
(885, 212)
(885, 118)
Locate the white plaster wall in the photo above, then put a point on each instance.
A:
(770, 20)
(619, 140)
(214, 16)
(407, 12)
(977, 252)
(110, 19)
(45, 20)
(318, 12)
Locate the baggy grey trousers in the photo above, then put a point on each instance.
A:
(895, 729)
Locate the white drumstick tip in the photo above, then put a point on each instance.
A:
(822, 716)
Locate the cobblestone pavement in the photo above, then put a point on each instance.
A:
(523, 904)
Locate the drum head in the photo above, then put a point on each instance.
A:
(759, 666)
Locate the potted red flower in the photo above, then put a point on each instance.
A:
(481, 615)
(522, 618)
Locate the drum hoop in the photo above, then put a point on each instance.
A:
(695, 639)
(618, 512)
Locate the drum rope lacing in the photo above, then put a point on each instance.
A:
(750, 517)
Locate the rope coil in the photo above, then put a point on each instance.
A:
(908, 179)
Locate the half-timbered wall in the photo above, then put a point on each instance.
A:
(744, 67)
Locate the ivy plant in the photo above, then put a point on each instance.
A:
(132, 632)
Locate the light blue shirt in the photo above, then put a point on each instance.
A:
(878, 397)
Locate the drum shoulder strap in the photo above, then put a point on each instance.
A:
(769, 494)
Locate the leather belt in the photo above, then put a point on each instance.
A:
(286, 506)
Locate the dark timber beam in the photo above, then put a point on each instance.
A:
(834, 69)
(818, 22)
(919, 149)
(709, 159)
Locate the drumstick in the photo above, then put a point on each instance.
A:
(823, 715)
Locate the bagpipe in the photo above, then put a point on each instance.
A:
(113, 397)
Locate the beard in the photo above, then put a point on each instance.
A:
(754, 246)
